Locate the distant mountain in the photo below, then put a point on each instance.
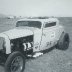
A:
(3, 16)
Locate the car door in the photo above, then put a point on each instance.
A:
(48, 35)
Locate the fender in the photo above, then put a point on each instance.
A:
(7, 43)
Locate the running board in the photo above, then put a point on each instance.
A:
(35, 54)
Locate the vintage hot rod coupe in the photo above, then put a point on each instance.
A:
(30, 36)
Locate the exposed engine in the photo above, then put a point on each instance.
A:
(22, 44)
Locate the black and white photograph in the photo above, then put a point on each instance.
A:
(35, 35)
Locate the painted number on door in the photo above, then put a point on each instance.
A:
(48, 43)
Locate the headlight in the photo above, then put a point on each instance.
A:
(12, 44)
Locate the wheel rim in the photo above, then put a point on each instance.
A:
(66, 43)
(17, 64)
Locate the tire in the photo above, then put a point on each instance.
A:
(15, 62)
(63, 42)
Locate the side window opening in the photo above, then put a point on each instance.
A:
(50, 24)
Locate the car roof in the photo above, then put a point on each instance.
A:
(41, 20)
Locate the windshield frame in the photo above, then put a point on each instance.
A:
(27, 25)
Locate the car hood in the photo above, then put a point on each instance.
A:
(20, 32)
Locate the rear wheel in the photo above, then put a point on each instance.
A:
(63, 42)
(15, 62)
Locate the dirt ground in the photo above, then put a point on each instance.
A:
(53, 61)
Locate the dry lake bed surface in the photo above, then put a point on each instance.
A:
(52, 61)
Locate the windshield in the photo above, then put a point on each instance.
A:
(36, 24)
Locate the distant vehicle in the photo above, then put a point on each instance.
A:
(31, 36)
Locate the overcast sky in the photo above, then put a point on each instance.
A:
(36, 7)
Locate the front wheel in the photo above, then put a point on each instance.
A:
(15, 62)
